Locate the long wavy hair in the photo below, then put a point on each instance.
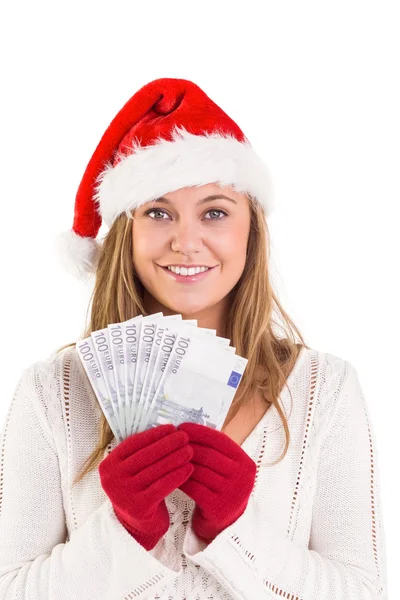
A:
(254, 312)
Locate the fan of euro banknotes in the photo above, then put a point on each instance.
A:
(156, 369)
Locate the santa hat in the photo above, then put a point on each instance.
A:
(169, 135)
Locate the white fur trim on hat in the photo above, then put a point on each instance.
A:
(78, 255)
(187, 160)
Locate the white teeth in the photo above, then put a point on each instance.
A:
(185, 271)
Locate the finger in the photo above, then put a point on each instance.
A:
(209, 478)
(164, 466)
(206, 436)
(169, 482)
(199, 492)
(154, 452)
(213, 459)
(137, 441)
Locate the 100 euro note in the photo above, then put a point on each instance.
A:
(115, 334)
(131, 333)
(198, 384)
(152, 374)
(122, 338)
(146, 338)
(87, 354)
(102, 347)
(167, 342)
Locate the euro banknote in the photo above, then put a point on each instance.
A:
(158, 369)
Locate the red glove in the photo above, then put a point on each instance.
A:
(221, 482)
(139, 473)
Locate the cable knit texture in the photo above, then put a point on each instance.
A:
(312, 528)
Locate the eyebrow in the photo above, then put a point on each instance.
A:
(203, 201)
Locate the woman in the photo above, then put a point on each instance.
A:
(285, 500)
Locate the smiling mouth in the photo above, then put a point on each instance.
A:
(187, 278)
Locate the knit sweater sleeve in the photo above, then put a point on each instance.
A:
(100, 560)
(345, 558)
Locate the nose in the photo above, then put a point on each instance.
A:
(186, 237)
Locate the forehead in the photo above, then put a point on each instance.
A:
(201, 192)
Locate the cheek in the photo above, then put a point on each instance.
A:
(233, 246)
(144, 245)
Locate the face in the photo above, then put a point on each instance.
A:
(193, 226)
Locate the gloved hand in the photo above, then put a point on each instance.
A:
(221, 482)
(139, 473)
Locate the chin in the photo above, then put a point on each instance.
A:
(186, 308)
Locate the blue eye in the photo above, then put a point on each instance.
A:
(162, 211)
(154, 210)
(216, 210)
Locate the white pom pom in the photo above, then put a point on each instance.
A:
(78, 255)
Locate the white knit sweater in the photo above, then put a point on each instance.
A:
(312, 529)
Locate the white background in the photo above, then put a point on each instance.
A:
(314, 86)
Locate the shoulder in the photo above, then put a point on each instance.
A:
(331, 376)
(327, 369)
(334, 370)
(47, 373)
(44, 379)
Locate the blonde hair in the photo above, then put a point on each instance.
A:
(118, 296)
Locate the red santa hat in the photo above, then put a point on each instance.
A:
(169, 135)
